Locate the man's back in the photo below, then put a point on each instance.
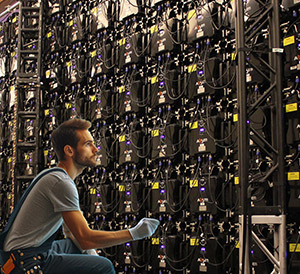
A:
(40, 215)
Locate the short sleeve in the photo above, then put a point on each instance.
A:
(64, 196)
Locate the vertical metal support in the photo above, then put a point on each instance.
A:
(278, 131)
(282, 246)
(243, 138)
(28, 83)
(244, 265)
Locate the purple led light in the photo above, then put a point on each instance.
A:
(200, 72)
(162, 137)
(162, 191)
(74, 67)
(128, 93)
(98, 147)
(162, 246)
(202, 129)
(128, 193)
(98, 194)
(127, 244)
(99, 101)
(248, 122)
(202, 189)
(203, 249)
(128, 143)
(252, 252)
(161, 83)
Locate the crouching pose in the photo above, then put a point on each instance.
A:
(28, 245)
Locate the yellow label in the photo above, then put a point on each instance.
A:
(236, 180)
(13, 54)
(68, 106)
(122, 138)
(289, 41)
(47, 112)
(10, 123)
(49, 34)
(193, 125)
(71, 23)
(46, 152)
(155, 241)
(194, 241)
(122, 42)
(93, 98)
(293, 176)
(233, 56)
(154, 80)
(94, 10)
(191, 14)
(48, 73)
(237, 244)
(9, 160)
(121, 188)
(291, 107)
(121, 89)
(154, 29)
(15, 19)
(235, 117)
(155, 185)
(26, 157)
(155, 133)
(93, 53)
(69, 64)
(9, 196)
(293, 248)
(194, 183)
(192, 68)
(93, 191)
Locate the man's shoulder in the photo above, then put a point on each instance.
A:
(54, 176)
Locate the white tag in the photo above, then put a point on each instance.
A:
(201, 148)
(161, 100)
(200, 89)
(161, 47)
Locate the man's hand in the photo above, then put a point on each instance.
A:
(145, 228)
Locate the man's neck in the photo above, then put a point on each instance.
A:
(72, 171)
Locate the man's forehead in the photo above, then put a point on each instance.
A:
(84, 136)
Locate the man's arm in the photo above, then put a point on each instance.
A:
(90, 239)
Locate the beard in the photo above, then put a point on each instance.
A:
(83, 162)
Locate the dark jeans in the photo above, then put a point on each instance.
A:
(62, 258)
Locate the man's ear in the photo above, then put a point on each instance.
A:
(68, 151)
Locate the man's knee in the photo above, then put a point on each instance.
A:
(105, 266)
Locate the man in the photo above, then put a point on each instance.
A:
(52, 201)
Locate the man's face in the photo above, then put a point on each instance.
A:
(86, 151)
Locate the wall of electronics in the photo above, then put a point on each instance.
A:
(157, 81)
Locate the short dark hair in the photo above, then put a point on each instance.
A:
(65, 134)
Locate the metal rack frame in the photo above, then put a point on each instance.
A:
(274, 214)
(28, 80)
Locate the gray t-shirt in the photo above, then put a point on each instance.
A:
(40, 215)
